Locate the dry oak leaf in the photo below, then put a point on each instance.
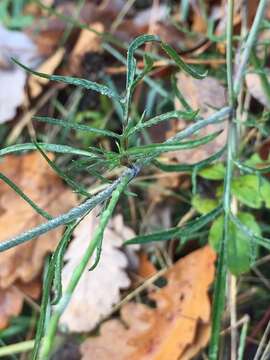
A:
(168, 331)
(98, 290)
(87, 42)
(255, 88)
(36, 178)
(11, 299)
(205, 95)
(18, 45)
(36, 83)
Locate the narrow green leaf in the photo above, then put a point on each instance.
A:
(25, 197)
(75, 126)
(166, 147)
(179, 95)
(148, 65)
(176, 232)
(62, 149)
(131, 62)
(252, 170)
(51, 276)
(72, 183)
(180, 63)
(163, 117)
(58, 257)
(189, 167)
(86, 84)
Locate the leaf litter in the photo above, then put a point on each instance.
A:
(24, 263)
(98, 290)
(179, 321)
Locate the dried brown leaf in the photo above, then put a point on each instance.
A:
(255, 88)
(167, 331)
(87, 42)
(48, 67)
(36, 178)
(11, 299)
(206, 95)
(13, 44)
(99, 289)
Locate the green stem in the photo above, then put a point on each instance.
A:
(229, 51)
(220, 282)
(63, 303)
(249, 45)
(17, 348)
(234, 86)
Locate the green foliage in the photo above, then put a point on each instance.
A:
(204, 205)
(213, 172)
(235, 237)
(246, 189)
(12, 16)
(240, 252)
(177, 232)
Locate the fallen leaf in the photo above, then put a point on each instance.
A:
(14, 44)
(169, 330)
(146, 268)
(36, 178)
(36, 83)
(11, 300)
(10, 305)
(88, 42)
(255, 88)
(205, 95)
(99, 289)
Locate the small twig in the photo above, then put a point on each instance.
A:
(138, 290)
(262, 342)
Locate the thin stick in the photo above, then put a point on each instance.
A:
(262, 342)
(243, 337)
(233, 316)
